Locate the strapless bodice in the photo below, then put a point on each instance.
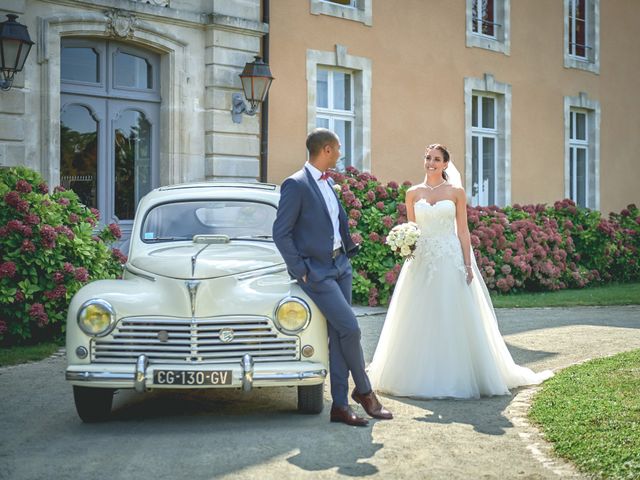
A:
(437, 219)
(438, 240)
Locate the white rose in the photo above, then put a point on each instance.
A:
(337, 188)
(405, 250)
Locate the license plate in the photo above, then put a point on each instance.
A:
(190, 377)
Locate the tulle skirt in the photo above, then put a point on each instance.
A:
(440, 338)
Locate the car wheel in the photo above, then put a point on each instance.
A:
(93, 404)
(311, 398)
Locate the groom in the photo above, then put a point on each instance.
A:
(312, 233)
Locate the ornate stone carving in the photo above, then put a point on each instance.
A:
(120, 24)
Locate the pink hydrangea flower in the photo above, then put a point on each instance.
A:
(23, 186)
(7, 269)
(27, 246)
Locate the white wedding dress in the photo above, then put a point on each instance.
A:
(440, 338)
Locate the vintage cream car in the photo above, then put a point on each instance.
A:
(205, 302)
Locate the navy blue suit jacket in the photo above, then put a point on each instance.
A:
(303, 231)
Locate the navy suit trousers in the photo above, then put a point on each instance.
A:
(332, 295)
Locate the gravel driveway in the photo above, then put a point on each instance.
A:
(227, 434)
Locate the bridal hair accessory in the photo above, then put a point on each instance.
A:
(403, 239)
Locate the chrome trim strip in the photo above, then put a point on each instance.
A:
(99, 376)
(139, 382)
(262, 272)
(192, 286)
(247, 372)
(129, 269)
(248, 377)
(319, 374)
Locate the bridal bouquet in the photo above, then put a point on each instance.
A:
(403, 239)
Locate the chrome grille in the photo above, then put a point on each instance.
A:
(194, 341)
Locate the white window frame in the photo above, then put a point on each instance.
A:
(582, 104)
(361, 82)
(331, 114)
(487, 86)
(501, 42)
(482, 133)
(591, 62)
(576, 145)
(357, 10)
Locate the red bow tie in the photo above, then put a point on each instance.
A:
(324, 176)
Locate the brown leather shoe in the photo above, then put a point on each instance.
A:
(372, 405)
(348, 416)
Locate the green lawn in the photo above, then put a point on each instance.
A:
(31, 353)
(591, 414)
(615, 294)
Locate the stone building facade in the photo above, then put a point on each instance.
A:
(121, 96)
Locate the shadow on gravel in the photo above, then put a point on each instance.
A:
(524, 356)
(229, 430)
(485, 415)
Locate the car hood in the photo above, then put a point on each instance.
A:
(213, 262)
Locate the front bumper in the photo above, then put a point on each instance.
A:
(245, 375)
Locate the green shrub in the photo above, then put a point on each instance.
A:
(49, 249)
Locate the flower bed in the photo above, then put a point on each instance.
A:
(517, 248)
(49, 249)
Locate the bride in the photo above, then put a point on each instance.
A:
(440, 338)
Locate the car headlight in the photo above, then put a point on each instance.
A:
(96, 317)
(292, 315)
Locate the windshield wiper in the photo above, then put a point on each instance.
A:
(257, 238)
(165, 239)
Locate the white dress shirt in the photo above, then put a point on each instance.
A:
(330, 200)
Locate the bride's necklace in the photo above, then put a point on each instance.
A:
(433, 188)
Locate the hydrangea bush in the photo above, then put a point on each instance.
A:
(517, 248)
(49, 248)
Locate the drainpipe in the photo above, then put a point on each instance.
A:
(264, 123)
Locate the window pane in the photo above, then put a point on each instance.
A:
(474, 15)
(80, 64)
(322, 89)
(216, 217)
(341, 91)
(581, 176)
(132, 151)
(581, 39)
(475, 190)
(79, 153)
(322, 122)
(132, 71)
(572, 134)
(474, 111)
(572, 173)
(343, 130)
(581, 126)
(488, 170)
(488, 113)
(488, 18)
(580, 9)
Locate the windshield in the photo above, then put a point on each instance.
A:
(183, 220)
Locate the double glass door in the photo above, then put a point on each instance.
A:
(108, 131)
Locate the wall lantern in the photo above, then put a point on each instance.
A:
(256, 79)
(15, 45)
